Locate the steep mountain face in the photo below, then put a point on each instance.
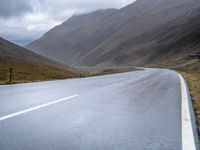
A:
(143, 33)
(27, 65)
(73, 38)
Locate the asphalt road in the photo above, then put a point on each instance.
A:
(139, 110)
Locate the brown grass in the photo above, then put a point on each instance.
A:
(32, 72)
(24, 72)
(193, 80)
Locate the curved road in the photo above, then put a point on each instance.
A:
(140, 110)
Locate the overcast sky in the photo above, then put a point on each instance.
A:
(22, 21)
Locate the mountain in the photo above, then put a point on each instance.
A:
(73, 38)
(145, 32)
(28, 66)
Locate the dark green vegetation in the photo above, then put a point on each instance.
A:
(145, 32)
(28, 66)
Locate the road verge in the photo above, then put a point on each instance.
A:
(189, 129)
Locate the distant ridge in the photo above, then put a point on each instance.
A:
(143, 33)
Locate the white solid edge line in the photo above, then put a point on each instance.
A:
(36, 108)
(188, 142)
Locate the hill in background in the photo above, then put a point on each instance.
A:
(28, 66)
(143, 33)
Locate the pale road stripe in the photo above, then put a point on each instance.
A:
(188, 142)
(36, 108)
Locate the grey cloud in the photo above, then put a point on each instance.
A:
(35, 17)
(10, 8)
(62, 9)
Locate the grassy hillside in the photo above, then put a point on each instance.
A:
(31, 72)
(28, 66)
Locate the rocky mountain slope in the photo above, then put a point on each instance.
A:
(145, 32)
